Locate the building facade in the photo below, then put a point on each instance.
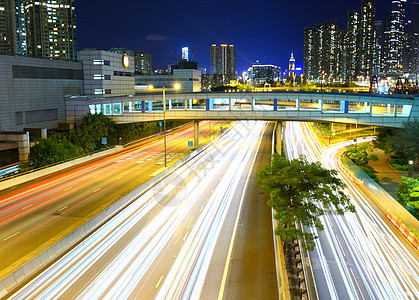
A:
(8, 38)
(143, 63)
(107, 74)
(188, 79)
(223, 63)
(20, 27)
(51, 29)
(366, 39)
(264, 74)
(34, 91)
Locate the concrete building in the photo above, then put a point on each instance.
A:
(51, 29)
(33, 91)
(143, 63)
(8, 43)
(223, 62)
(261, 74)
(107, 74)
(188, 79)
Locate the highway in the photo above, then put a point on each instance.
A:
(358, 255)
(36, 215)
(163, 245)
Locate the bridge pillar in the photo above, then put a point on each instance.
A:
(230, 104)
(253, 104)
(297, 104)
(186, 104)
(370, 108)
(196, 135)
(150, 105)
(365, 107)
(275, 104)
(143, 106)
(395, 110)
(170, 104)
(190, 103)
(209, 104)
(320, 104)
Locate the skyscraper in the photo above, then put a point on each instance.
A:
(8, 44)
(366, 38)
(394, 35)
(20, 27)
(291, 66)
(318, 57)
(308, 53)
(143, 63)
(331, 48)
(378, 48)
(223, 63)
(352, 57)
(51, 29)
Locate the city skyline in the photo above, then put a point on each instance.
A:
(268, 34)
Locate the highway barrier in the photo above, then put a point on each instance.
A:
(394, 211)
(19, 179)
(24, 273)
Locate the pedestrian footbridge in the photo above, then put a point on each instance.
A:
(366, 109)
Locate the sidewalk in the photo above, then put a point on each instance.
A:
(390, 178)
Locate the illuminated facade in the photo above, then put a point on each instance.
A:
(143, 63)
(261, 74)
(223, 62)
(308, 53)
(291, 66)
(20, 27)
(366, 39)
(394, 37)
(353, 50)
(51, 29)
(8, 43)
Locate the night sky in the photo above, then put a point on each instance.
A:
(267, 32)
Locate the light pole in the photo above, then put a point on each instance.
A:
(410, 169)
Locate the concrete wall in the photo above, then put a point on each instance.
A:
(29, 98)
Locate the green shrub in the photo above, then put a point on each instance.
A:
(399, 164)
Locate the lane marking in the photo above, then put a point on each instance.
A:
(233, 236)
(97, 190)
(158, 283)
(63, 208)
(11, 236)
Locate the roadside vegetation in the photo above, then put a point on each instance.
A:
(88, 138)
(360, 156)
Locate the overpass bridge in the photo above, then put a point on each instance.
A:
(365, 109)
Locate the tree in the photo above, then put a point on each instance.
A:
(405, 141)
(408, 192)
(301, 192)
(359, 154)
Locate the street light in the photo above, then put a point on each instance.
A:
(410, 169)
(176, 87)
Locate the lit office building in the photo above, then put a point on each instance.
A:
(394, 35)
(318, 59)
(366, 38)
(352, 50)
(223, 63)
(331, 48)
(143, 63)
(261, 74)
(51, 29)
(8, 43)
(308, 53)
(378, 48)
(20, 27)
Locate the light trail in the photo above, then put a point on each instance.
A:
(161, 245)
(364, 256)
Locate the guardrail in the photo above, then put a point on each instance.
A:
(16, 278)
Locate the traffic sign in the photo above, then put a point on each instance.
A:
(190, 144)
